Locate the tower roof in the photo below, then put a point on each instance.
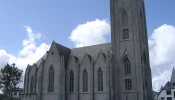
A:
(173, 76)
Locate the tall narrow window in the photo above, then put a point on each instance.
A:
(31, 85)
(128, 84)
(125, 25)
(51, 79)
(127, 66)
(71, 81)
(85, 81)
(125, 19)
(100, 79)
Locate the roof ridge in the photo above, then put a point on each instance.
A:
(92, 45)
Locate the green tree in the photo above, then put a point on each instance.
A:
(10, 77)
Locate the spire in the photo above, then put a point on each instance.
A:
(173, 76)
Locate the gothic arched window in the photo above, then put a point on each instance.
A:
(125, 19)
(85, 80)
(71, 81)
(100, 79)
(51, 79)
(31, 85)
(127, 66)
(125, 25)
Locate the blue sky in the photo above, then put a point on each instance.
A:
(56, 20)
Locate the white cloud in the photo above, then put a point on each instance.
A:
(30, 52)
(92, 32)
(162, 54)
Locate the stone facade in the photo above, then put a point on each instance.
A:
(119, 70)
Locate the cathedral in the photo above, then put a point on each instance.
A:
(119, 70)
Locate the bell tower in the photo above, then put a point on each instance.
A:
(131, 69)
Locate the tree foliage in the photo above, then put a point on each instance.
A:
(11, 76)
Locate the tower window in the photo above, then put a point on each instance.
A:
(125, 25)
(100, 79)
(51, 79)
(85, 81)
(127, 66)
(128, 84)
(125, 19)
(71, 81)
(126, 33)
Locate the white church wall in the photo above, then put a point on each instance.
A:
(101, 63)
(72, 66)
(38, 79)
(53, 59)
(32, 73)
(86, 64)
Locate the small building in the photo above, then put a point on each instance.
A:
(16, 93)
(168, 91)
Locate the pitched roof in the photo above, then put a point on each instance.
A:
(79, 53)
(173, 76)
(91, 50)
(39, 61)
(63, 51)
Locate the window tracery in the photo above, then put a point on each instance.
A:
(127, 66)
(85, 80)
(125, 25)
(71, 81)
(100, 79)
(51, 79)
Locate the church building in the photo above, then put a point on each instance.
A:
(119, 70)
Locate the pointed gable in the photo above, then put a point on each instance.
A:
(63, 51)
(173, 76)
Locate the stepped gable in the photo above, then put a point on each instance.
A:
(93, 50)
